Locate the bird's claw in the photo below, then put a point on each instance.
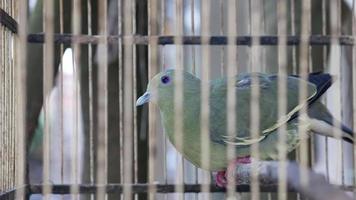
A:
(220, 179)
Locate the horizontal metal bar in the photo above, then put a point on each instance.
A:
(8, 195)
(141, 188)
(8, 21)
(11, 193)
(188, 40)
(144, 188)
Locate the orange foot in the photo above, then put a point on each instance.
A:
(221, 176)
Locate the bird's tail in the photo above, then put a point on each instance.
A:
(323, 123)
(349, 134)
(325, 128)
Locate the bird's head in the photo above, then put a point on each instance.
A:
(161, 86)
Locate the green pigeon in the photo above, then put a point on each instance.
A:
(160, 90)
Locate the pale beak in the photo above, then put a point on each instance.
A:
(143, 99)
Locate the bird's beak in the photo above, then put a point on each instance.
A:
(143, 99)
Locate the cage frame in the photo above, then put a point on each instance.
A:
(12, 25)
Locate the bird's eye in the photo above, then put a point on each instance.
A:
(165, 79)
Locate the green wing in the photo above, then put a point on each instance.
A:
(268, 102)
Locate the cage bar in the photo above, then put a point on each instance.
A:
(282, 97)
(91, 101)
(178, 97)
(231, 98)
(20, 87)
(48, 68)
(205, 94)
(354, 86)
(61, 94)
(335, 30)
(76, 29)
(128, 98)
(303, 73)
(152, 70)
(102, 105)
(324, 9)
(190, 40)
(134, 95)
(120, 71)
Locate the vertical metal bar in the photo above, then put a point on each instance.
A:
(340, 88)
(354, 85)
(3, 103)
(178, 97)
(3, 143)
(21, 48)
(163, 17)
(134, 78)
(255, 95)
(152, 115)
(13, 95)
(7, 133)
(48, 55)
(311, 141)
(294, 49)
(91, 103)
(1, 106)
(8, 66)
(121, 123)
(76, 29)
(8, 105)
(205, 93)
(192, 20)
(335, 70)
(102, 109)
(339, 32)
(2, 185)
(222, 24)
(6, 108)
(231, 70)
(5, 124)
(263, 30)
(303, 72)
(61, 97)
(9, 116)
(282, 97)
(2, 120)
(7, 101)
(162, 53)
(128, 98)
(194, 71)
(134, 97)
(325, 54)
(120, 71)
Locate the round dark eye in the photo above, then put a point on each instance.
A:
(165, 79)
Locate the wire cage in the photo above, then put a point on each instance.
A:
(71, 72)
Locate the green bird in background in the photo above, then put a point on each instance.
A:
(160, 90)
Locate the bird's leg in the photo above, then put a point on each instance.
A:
(222, 176)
